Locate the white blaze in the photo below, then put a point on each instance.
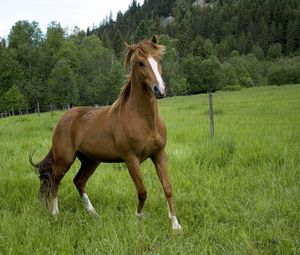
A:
(161, 84)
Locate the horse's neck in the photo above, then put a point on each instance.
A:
(142, 103)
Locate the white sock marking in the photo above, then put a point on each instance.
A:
(55, 210)
(87, 204)
(161, 84)
(139, 215)
(175, 223)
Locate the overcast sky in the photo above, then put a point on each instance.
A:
(82, 13)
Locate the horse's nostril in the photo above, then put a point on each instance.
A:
(155, 88)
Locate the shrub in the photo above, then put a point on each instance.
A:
(232, 87)
(285, 74)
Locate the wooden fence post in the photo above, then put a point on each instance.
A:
(211, 115)
(51, 110)
(38, 108)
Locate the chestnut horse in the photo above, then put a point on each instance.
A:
(129, 131)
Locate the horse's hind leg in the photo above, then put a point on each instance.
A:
(60, 170)
(86, 170)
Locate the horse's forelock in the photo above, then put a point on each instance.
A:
(143, 50)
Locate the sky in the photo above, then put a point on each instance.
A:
(69, 13)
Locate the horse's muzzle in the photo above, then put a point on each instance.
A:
(158, 94)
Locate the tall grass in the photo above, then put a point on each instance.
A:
(237, 193)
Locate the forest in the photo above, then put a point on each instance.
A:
(211, 45)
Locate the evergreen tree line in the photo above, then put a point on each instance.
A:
(225, 44)
(222, 44)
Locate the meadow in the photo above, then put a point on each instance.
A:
(236, 193)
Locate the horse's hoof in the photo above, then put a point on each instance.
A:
(176, 227)
(93, 213)
(139, 215)
(175, 224)
(54, 213)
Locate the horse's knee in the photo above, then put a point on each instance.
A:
(168, 191)
(142, 196)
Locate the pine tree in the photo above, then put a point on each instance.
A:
(280, 34)
(249, 43)
(273, 33)
(118, 43)
(242, 43)
(291, 33)
(141, 32)
(263, 34)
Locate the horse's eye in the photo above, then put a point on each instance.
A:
(141, 64)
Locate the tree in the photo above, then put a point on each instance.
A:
(274, 51)
(255, 70)
(291, 34)
(212, 74)
(273, 33)
(263, 35)
(202, 76)
(118, 44)
(242, 43)
(97, 65)
(208, 49)
(25, 38)
(51, 47)
(258, 52)
(223, 49)
(62, 86)
(183, 37)
(141, 32)
(111, 83)
(191, 67)
(13, 99)
(197, 46)
(10, 70)
(243, 75)
(229, 75)
(284, 72)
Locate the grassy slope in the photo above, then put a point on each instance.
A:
(235, 194)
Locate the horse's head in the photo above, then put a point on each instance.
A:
(144, 59)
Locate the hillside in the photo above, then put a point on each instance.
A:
(211, 45)
(238, 25)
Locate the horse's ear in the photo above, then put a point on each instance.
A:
(128, 54)
(154, 38)
(129, 47)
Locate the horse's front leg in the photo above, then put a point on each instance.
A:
(133, 166)
(160, 161)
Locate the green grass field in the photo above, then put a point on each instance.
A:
(238, 193)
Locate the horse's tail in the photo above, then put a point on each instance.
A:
(45, 170)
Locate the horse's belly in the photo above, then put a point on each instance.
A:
(100, 155)
(99, 146)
